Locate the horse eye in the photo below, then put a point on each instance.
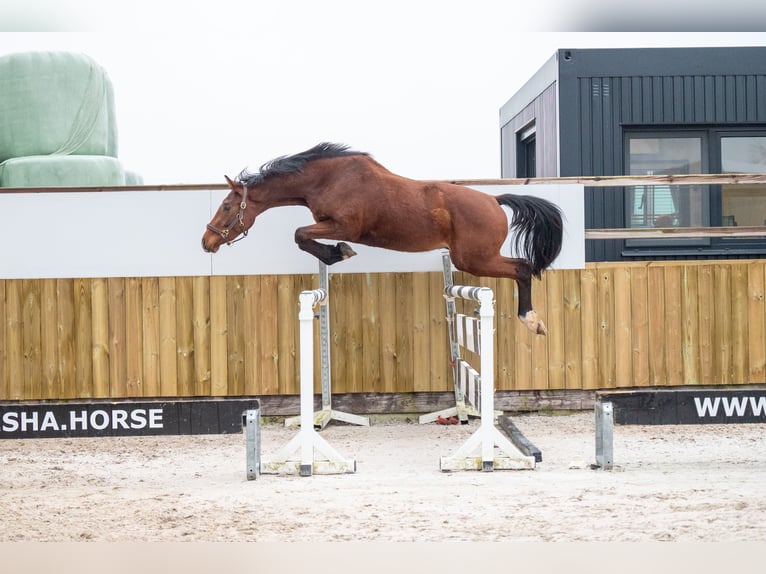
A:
(226, 208)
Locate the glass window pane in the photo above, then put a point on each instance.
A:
(668, 205)
(743, 204)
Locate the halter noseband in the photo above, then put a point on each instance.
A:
(224, 233)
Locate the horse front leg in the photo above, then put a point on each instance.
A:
(306, 237)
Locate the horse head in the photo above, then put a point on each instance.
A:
(231, 220)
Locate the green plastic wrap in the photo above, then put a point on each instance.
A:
(58, 103)
(58, 170)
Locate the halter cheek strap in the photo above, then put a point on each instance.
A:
(240, 217)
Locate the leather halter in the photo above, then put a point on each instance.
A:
(240, 217)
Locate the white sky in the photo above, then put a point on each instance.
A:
(417, 84)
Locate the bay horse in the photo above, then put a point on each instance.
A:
(354, 198)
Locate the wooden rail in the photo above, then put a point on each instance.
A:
(587, 181)
(675, 232)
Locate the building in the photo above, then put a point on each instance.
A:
(648, 112)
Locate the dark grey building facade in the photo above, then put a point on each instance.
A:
(643, 112)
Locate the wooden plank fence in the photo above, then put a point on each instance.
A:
(611, 325)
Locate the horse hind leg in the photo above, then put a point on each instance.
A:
(520, 271)
(305, 238)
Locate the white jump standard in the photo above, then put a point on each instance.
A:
(327, 413)
(307, 443)
(487, 437)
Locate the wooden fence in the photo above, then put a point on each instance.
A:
(610, 325)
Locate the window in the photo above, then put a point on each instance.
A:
(714, 150)
(668, 205)
(526, 159)
(743, 204)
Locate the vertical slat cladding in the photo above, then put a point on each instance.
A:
(441, 375)
(14, 353)
(706, 324)
(751, 99)
(606, 339)
(51, 381)
(388, 328)
(556, 338)
(219, 353)
(117, 359)
(756, 281)
(168, 340)
(235, 319)
(740, 325)
(201, 328)
(352, 323)
(267, 322)
(639, 296)
(539, 356)
(658, 330)
(83, 312)
(100, 319)
(623, 327)
(668, 101)
(572, 330)
(690, 332)
(723, 322)
(338, 337)
(287, 288)
(150, 319)
(66, 329)
(185, 336)
(590, 328)
(674, 326)
(404, 339)
(116, 330)
(134, 337)
(505, 323)
(760, 91)
(371, 337)
(31, 337)
(4, 375)
(252, 325)
(421, 376)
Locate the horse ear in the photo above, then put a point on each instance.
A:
(231, 183)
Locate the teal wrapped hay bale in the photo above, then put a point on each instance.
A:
(62, 170)
(55, 103)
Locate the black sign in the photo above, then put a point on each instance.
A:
(124, 418)
(687, 406)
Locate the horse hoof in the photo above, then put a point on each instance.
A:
(345, 250)
(534, 323)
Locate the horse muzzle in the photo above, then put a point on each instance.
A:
(210, 246)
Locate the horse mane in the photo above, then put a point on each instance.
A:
(288, 164)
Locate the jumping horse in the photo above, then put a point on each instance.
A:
(354, 198)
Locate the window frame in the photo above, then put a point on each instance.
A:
(711, 163)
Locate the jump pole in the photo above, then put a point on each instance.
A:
(487, 436)
(461, 410)
(327, 413)
(299, 455)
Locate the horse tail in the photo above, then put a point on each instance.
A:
(539, 229)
